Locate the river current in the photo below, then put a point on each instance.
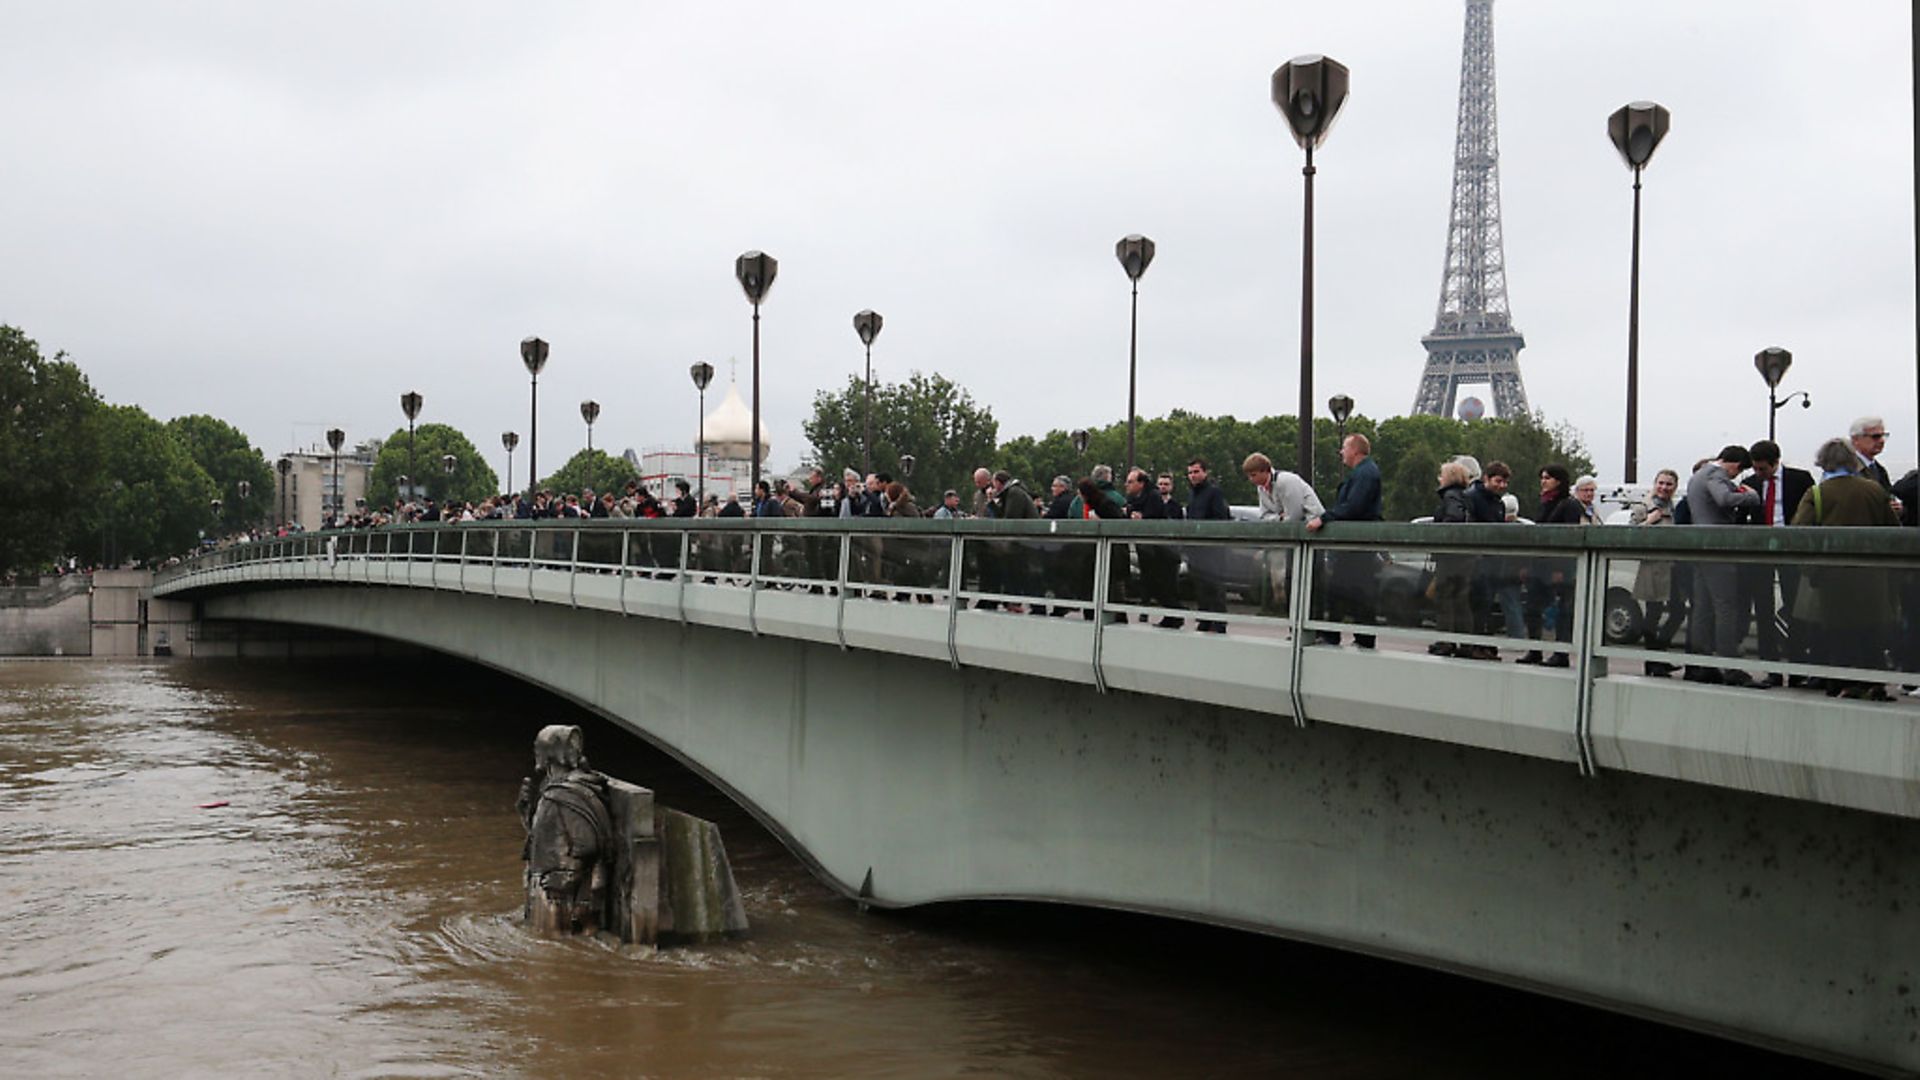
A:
(352, 911)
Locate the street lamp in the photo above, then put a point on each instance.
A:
(1308, 90)
(1772, 364)
(335, 437)
(1080, 437)
(406, 484)
(906, 465)
(867, 325)
(589, 411)
(1341, 406)
(285, 466)
(1636, 129)
(1135, 253)
(533, 353)
(509, 440)
(410, 403)
(755, 271)
(245, 489)
(448, 463)
(702, 373)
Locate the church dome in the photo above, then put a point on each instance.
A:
(729, 429)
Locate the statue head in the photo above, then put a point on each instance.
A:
(559, 748)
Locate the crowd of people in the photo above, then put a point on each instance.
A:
(1508, 597)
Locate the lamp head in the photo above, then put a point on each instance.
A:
(1080, 437)
(285, 465)
(906, 464)
(447, 462)
(1636, 130)
(755, 271)
(1341, 406)
(589, 411)
(1309, 91)
(1135, 253)
(867, 325)
(1772, 364)
(533, 353)
(702, 373)
(335, 438)
(410, 403)
(510, 440)
(245, 488)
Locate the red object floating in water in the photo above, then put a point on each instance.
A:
(215, 805)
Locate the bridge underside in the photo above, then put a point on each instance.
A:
(1695, 904)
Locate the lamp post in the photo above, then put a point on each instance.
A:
(336, 437)
(509, 440)
(406, 482)
(1135, 253)
(1308, 90)
(447, 463)
(867, 325)
(1341, 406)
(285, 466)
(906, 465)
(1080, 438)
(702, 373)
(1772, 364)
(410, 403)
(1636, 129)
(755, 270)
(244, 488)
(589, 411)
(533, 353)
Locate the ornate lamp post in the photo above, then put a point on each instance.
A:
(1636, 129)
(533, 353)
(867, 325)
(285, 466)
(410, 403)
(448, 463)
(508, 441)
(590, 411)
(1080, 438)
(335, 438)
(243, 488)
(1309, 91)
(755, 271)
(1341, 406)
(1135, 253)
(1772, 364)
(702, 373)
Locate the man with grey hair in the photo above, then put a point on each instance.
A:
(1869, 437)
(1062, 500)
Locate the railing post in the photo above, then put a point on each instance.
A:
(1102, 562)
(626, 544)
(573, 567)
(753, 581)
(686, 557)
(956, 577)
(1300, 602)
(1587, 616)
(840, 612)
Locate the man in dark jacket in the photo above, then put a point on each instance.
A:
(1205, 565)
(1175, 512)
(1062, 498)
(1352, 575)
(1780, 488)
(1159, 563)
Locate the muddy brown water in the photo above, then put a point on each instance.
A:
(352, 912)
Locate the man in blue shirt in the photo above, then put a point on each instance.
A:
(1351, 582)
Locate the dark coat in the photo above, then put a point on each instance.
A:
(1561, 509)
(1456, 506)
(1148, 504)
(1794, 485)
(1061, 505)
(1209, 503)
(1907, 490)
(1359, 496)
(732, 508)
(1484, 506)
(1014, 504)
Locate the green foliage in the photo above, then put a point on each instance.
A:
(598, 470)
(1410, 450)
(158, 502)
(223, 452)
(928, 416)
(50, 464)
(472, 479)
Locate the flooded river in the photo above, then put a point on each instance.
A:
(352, 912)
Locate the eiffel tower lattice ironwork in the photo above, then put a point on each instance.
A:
(1473, 340)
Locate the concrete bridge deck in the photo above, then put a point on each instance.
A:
(1739, 861)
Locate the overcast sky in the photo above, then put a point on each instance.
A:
(287, 214)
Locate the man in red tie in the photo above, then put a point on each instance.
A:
(1780, 490)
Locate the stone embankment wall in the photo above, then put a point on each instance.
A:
(106, 613)
(53, 618)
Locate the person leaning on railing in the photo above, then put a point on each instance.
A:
(1548, 587)
(1848, 605)
(1661, 605)
(1452, 573)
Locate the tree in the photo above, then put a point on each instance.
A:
(223, 452)
(159, 501)
(472, 480)
(595, 469)
(928, 416)
(1409, 450)
(50, 448)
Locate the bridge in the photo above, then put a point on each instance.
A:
(929, 711)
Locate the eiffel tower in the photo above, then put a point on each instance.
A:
(1473, 340)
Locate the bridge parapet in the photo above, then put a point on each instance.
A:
(1094, 603)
